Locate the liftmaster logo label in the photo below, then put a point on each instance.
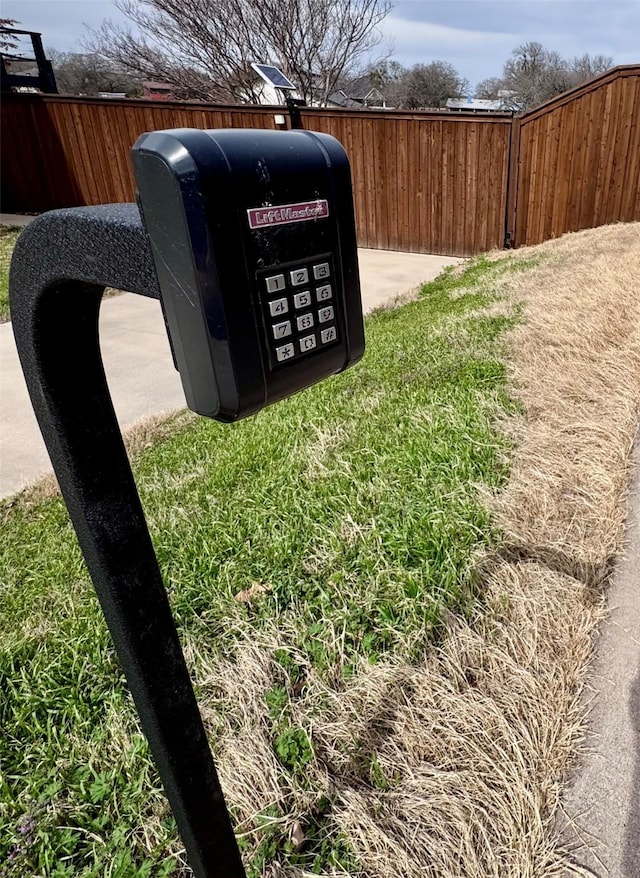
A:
(261, 217)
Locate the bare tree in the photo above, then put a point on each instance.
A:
(382, 76)
(89, 74)
(420, 86)
(429, 85)
(489, 89)
(588, 66)
(534, 74)
(204, 48)
(8, 42)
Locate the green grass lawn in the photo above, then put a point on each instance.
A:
(8, 237)
(354, 504)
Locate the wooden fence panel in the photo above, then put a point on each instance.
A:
(452, 184)
(417, 176)
(424, 182)
(64, 152)
(579, 161)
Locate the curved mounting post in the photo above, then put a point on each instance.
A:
(61, 265)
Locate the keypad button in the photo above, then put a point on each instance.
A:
(275, 283)
(285, 352)
(282, 330)
(305, 321)
(324, 293)
(278, 307)
(299, 276)
(307, 343)
(302, 300)
(320, 272)
(325, 314)
(328, 334)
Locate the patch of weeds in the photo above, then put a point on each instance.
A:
(516, 265)
(457, 278)
(293, 748)
(324, 847)
(269, 833)
(294, 673)
(474, 276)
(316, 646)
(368, 769)
(324, 851)
(320, 847)
(276, 699)
(377, 776)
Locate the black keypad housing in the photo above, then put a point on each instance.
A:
(309, 306)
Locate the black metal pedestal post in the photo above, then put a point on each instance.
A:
(293, 105)
(61, 264)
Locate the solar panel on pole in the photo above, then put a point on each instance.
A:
(273, 76)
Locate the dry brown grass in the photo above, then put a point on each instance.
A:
(576, 369)
(455, 767)
(449, 768)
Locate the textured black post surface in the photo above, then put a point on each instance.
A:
(61, 264)
(293, 105)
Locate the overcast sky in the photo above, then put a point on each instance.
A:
(476, 36)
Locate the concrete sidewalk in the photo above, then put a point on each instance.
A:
(601, 806)
(14, 219)
(138, 361)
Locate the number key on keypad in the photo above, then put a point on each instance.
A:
(282, 330)
(299, 276)
(305, 321)
(278, 307)
(302, 300)
(321, 271)
(325, 314)
(324, 293)
(307, 343)
(275, 283)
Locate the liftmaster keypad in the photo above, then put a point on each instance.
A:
(253, 239)
(299, 306)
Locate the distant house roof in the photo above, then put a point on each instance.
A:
(157, 91)
(157, 86)
(341, 99)
(372, 97)
(359, 88)
(476, 104)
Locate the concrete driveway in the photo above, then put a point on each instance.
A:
(138, 361)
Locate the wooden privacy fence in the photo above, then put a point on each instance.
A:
(422, 182)
(578, 160)
(453, 184)
(427, 183)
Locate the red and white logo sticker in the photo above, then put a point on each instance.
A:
(279, 215)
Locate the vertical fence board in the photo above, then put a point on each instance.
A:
(368, 183)
(402, 134)
(632, 172)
